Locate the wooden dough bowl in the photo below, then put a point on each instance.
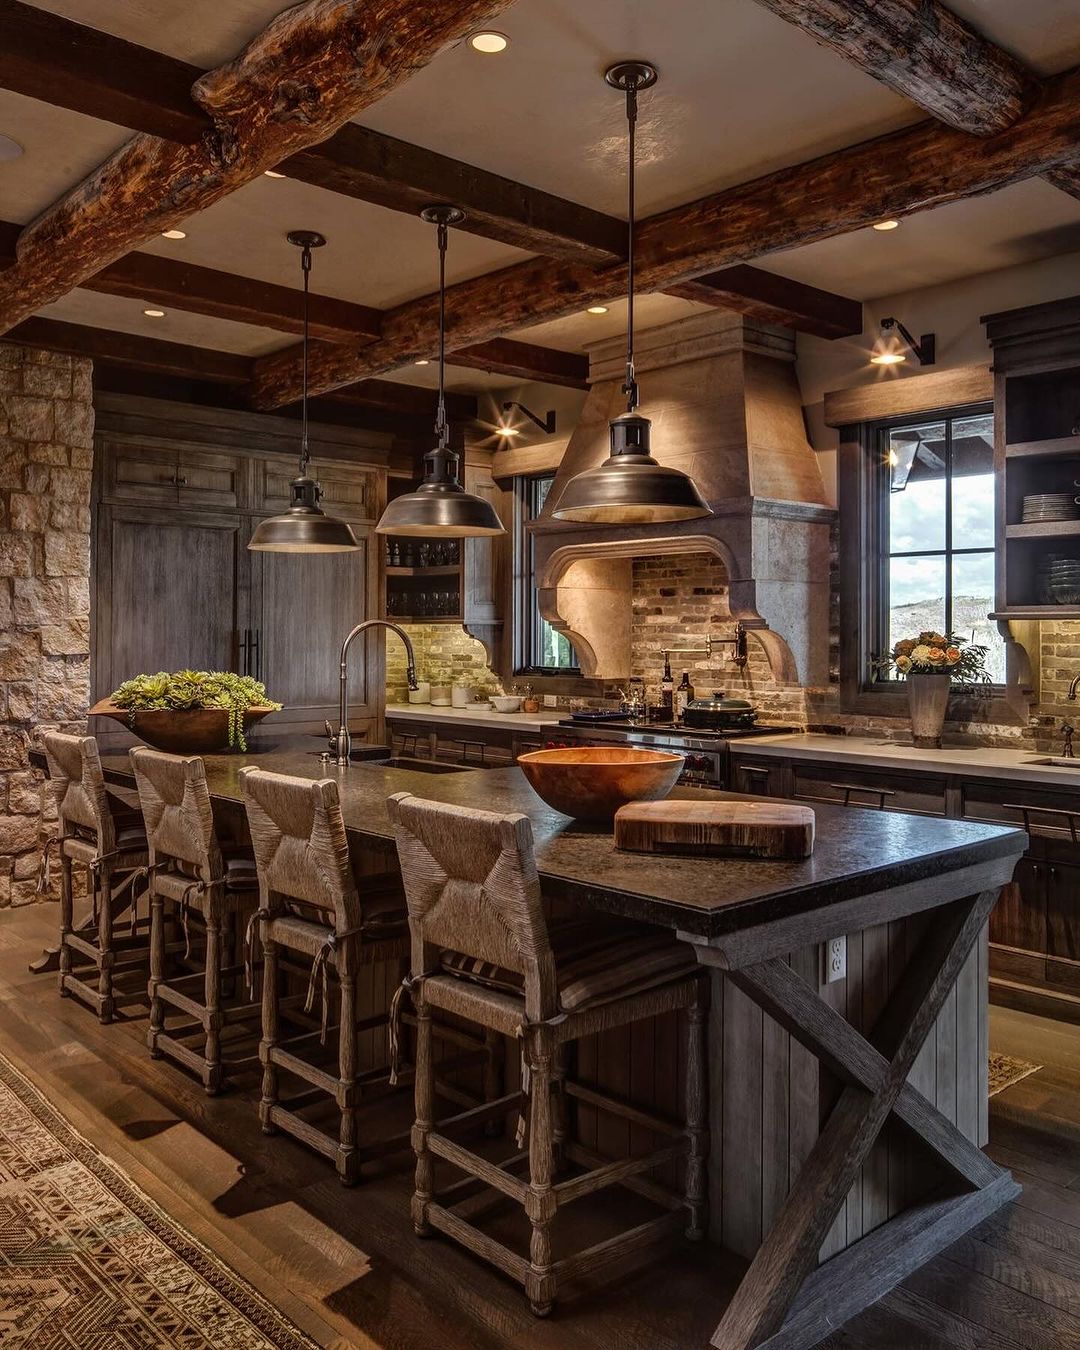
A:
(592, 782)
(717, 829)
(181, 731)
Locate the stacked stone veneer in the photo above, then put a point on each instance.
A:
(46, 453)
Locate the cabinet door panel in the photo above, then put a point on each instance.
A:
(168, 594)
(306, 604)
(1019, 917)
(757, 777)
(348, 489)
(1063, 910)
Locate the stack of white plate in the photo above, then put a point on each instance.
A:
(1044, 506)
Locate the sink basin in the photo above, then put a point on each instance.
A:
(419, 765)
(1055, 762)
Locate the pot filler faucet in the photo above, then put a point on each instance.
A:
(342, 742)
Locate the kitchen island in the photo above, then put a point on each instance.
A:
(845, 1116)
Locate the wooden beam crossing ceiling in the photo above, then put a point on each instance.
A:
(774, 299)
(502, 356)
(926, 53)
(910, 170)
(1066, 177)
(58, 61)
(406, 400)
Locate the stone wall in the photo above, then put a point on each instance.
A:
(444, 653)
(46, 453)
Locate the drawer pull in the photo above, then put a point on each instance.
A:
(848, 788)
(760, 769)
(1071, 817)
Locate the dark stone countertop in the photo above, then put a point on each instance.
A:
(857, 852)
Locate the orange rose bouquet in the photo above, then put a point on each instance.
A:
(936, 654)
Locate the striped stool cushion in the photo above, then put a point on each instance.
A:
(596, 960)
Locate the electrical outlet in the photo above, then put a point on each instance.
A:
(834, 954)
(550, 701)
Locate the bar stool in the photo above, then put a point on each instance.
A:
(482, 950)
(109, 840)
(192, 874)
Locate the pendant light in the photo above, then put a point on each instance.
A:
(440, 507)
(304, 528)
(630, 487)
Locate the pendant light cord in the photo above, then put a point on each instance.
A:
(442, 431)
(630, 388)
(305, 453)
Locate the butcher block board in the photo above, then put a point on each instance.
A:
(716, 829)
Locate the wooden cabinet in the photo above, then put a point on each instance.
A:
(885, 791)
(171, 476)
(349, 490)
(764, 776)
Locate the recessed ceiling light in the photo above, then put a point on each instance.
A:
(887, 225)
(489, 43)
(174, 234)
(422, 362)
(597, 309)
(272, 173)
(9, 149)
(154, 313)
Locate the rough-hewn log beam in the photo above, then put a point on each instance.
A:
(525, 361)
(925, 52)
(65, 63)
(405, 400)
(1066, 177)
(774, 299)
(131, 351)
(907, 171)
(309, 71)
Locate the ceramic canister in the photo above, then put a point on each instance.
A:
(421, 694)
(440, 696)
(461, 696)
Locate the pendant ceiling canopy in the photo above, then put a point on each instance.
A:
(304, 527)
(630, 487)
(440, 507)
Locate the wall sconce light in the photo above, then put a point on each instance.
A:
(890, 350)
(546, 424)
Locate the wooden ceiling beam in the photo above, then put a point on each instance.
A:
(58, 61)
(774, 299)
(1066, 177)
(525, 361)
(911, 170)
(925, 52)
(132, 351)
(307, 73)
(406, 400)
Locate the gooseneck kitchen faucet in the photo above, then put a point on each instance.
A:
(343, 741)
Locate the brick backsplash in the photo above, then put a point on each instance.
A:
(444, 652)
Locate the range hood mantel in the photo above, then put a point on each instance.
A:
(723, 396)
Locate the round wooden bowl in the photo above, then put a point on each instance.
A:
(181, 731)
(592, 782)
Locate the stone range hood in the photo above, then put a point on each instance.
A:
(723, 396)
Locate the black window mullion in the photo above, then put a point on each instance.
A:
(948, 526)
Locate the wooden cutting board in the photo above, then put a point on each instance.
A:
(716, 829)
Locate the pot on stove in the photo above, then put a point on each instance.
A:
(719, 712)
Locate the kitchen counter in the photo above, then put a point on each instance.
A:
(968, 761)
(428, 715)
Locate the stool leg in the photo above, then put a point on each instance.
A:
(212, 1071)
(697, 1121)
(157, 973)
(66, 921)
(106, 955)
(559, 1128)
(494, 1068)
(269, 1034)
(425, 1103)
(347, 1159)
(540, 1202)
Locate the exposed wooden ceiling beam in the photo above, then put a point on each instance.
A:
(65, 63)
(1066, 177)
(307, 73)
(406, 400)
(926, 53)
(775, 299)
(911, 170)
(525, 361)
(131, 351)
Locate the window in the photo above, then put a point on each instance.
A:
(539, 648)
(934, 492)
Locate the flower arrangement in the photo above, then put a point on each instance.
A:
(186, 689)
(937, 654)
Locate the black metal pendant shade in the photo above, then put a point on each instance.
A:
(305, 527)
(440, 507)
(630, 487)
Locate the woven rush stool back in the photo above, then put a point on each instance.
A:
(176, 807)
(301, 850)
(471, 885)
(78, 786)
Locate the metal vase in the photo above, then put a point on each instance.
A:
(928, 699)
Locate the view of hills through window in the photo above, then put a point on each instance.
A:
(939, 532)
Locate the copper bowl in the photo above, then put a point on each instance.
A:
(181, 731)
(592, 782)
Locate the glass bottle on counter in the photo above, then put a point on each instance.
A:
(667, 690)
(684, 695)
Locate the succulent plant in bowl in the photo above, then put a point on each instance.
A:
(188, 710)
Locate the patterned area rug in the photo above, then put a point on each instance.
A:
(1005, 1071)
(89, 1262)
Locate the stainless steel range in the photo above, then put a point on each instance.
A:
(707, 753)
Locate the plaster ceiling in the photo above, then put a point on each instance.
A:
(741, 93)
